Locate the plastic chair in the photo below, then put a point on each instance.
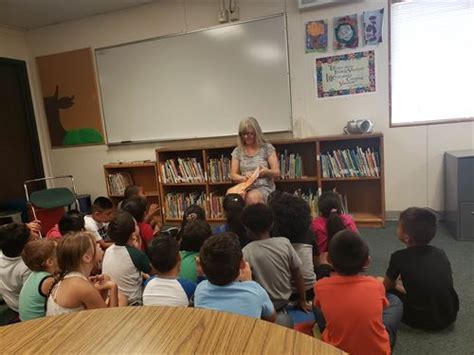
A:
(47, 205)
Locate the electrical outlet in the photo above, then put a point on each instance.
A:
(234, 15)
(223, 16)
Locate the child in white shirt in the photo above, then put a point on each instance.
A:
(13, 271)
(102, 213)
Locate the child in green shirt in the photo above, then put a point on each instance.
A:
(194, 235)
(40, 257)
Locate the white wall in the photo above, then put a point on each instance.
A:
(413, 156)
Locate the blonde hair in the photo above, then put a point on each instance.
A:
(72, 248)
(251, 123)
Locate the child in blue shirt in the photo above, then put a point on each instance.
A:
(228, 287)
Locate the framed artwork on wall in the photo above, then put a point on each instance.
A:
(71, 99)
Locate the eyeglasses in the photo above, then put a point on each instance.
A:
(244, 134)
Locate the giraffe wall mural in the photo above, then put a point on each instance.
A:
(70, 98)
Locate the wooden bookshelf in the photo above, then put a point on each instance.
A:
(365, 194)
(142, 173)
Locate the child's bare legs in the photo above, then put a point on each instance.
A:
(122, 300)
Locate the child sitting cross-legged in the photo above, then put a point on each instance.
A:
(165, 289)
(13, 271)
(126, 264)
(40, 257)
(102, 213)
(136, 206)
(275, 263)
(72, 221)
(72, 291)
(194, 235)
(221, 261)
(429, 298)
(292, 220)
(233, 206)
(352, 310)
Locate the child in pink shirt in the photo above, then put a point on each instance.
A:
(331, 220)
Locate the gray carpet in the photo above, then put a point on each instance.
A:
(458, 339)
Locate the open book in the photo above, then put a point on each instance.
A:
(242, 187)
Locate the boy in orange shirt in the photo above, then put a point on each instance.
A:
(358, 318)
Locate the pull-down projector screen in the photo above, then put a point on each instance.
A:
(199, 84)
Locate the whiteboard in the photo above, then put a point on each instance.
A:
(198, 84)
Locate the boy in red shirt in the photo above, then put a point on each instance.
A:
(358, 318)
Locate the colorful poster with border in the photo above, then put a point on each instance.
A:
(316, 36)
(346, 74)
(346, 32)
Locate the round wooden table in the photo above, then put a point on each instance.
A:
(156, 330)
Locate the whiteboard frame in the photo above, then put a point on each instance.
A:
(285, 24)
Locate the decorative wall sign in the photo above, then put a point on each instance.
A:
(346, 74)
(316, 36)
(346, 32)
(71, 98)
(373, 22)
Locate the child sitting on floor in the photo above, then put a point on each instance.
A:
(13, 271)
(428, 295)
(124, 263)
(330, 221)
(165, 289)
(292, 220)
(194, 235)
(96, 223)
(275, 264)
(221, 261)
(72, 291)
(40, 257)
(191, 213)
(352, 310)
(233, 206)
(136, 206)
(72, 221)
(152, 215)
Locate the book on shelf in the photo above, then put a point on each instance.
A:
(216, 201)
(311, 198)
(218, 169)
(182, 170)
(291, 165)
(350, 163)
(177, 202)
(118, 182)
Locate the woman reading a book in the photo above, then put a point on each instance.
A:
(253, 153)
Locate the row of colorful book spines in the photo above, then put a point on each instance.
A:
(331, 170)
(118, 183)
(219, 173)
(186, 171)
(216, 209)
(291, 162)
(350, 163)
